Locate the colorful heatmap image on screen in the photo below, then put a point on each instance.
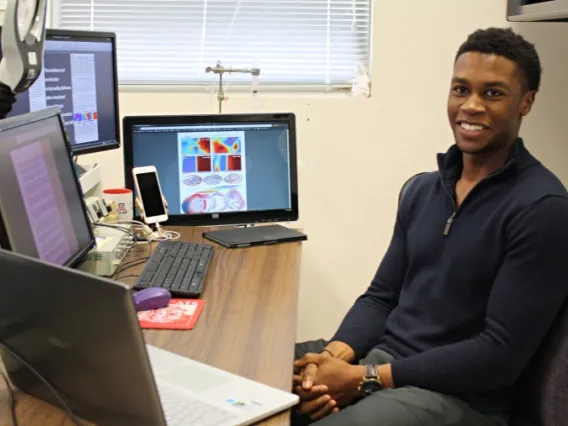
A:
(203, 164)
(212, 171)
(189, 165)
(220, 163)
(195, 146)
(228, 145)
(234, 162)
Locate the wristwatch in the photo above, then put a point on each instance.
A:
(371, 382)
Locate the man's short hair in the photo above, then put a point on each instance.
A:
(505, 42)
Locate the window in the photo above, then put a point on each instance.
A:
(293, 42)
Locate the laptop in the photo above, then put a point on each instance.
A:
(255, 236)
(81, 333)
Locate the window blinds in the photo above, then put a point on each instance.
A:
(309, 42)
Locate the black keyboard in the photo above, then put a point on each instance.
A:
(178, 267)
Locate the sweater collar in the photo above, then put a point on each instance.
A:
(450, 163)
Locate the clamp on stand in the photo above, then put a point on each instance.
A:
(220, 69)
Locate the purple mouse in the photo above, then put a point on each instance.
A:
(151, 298)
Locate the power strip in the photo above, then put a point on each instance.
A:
(112, 247)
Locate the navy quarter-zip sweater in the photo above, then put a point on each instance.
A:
(465, 295)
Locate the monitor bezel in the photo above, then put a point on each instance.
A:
(58, 34)
(32, 117)
(234, 218)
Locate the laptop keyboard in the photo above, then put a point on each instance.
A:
(186, 411)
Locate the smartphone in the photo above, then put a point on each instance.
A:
(150, 193)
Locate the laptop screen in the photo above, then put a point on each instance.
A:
(41, 206)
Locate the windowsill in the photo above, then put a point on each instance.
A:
(243, 91)
(233, 88)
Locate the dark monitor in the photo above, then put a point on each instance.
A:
(218, 169)
(42, 213)
(79, 76)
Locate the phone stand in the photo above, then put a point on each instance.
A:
(159, 233)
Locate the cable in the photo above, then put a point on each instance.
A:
(167, 235)
(133, 263)
(136, 225)
(128, 276)
(11, 399)
(45, 382)
(120, 228)
(130, 222)
(162, 235)
(129, 265)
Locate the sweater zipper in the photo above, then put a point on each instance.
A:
(450, 221)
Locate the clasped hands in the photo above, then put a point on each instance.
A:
(325, 384)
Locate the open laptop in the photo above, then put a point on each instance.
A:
(81, 333)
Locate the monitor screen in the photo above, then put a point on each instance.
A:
(219, 169)
(79, 75)
(42, 213)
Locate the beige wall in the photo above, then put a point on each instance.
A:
(355, 154)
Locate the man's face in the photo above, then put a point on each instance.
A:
(486, 103)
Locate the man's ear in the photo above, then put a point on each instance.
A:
(527, 102)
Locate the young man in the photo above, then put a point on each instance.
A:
(473, 277)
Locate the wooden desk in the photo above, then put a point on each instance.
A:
(248, 325)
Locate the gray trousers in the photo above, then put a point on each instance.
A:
(407, 406)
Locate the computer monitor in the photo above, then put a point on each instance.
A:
(80, 76)
(218, 169)
(42, 213)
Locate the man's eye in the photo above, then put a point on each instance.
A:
(460, 90)
(494, 93)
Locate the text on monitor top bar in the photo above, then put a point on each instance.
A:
(209, 126)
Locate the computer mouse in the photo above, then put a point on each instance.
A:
(152, 298)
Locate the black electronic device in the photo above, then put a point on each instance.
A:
(80, 76)
(255, 236)
(42, 213)
(218, 169)
(178, 267)
(149, 193)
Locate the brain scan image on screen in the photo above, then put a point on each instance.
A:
(212, 172)
(223, 200)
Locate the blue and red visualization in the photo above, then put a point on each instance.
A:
(195, 146)
(197, 156)
(231, 145)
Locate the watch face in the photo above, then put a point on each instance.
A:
(370, 387)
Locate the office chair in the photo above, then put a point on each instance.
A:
(542, 395)
(542, 398)
(406, 186)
